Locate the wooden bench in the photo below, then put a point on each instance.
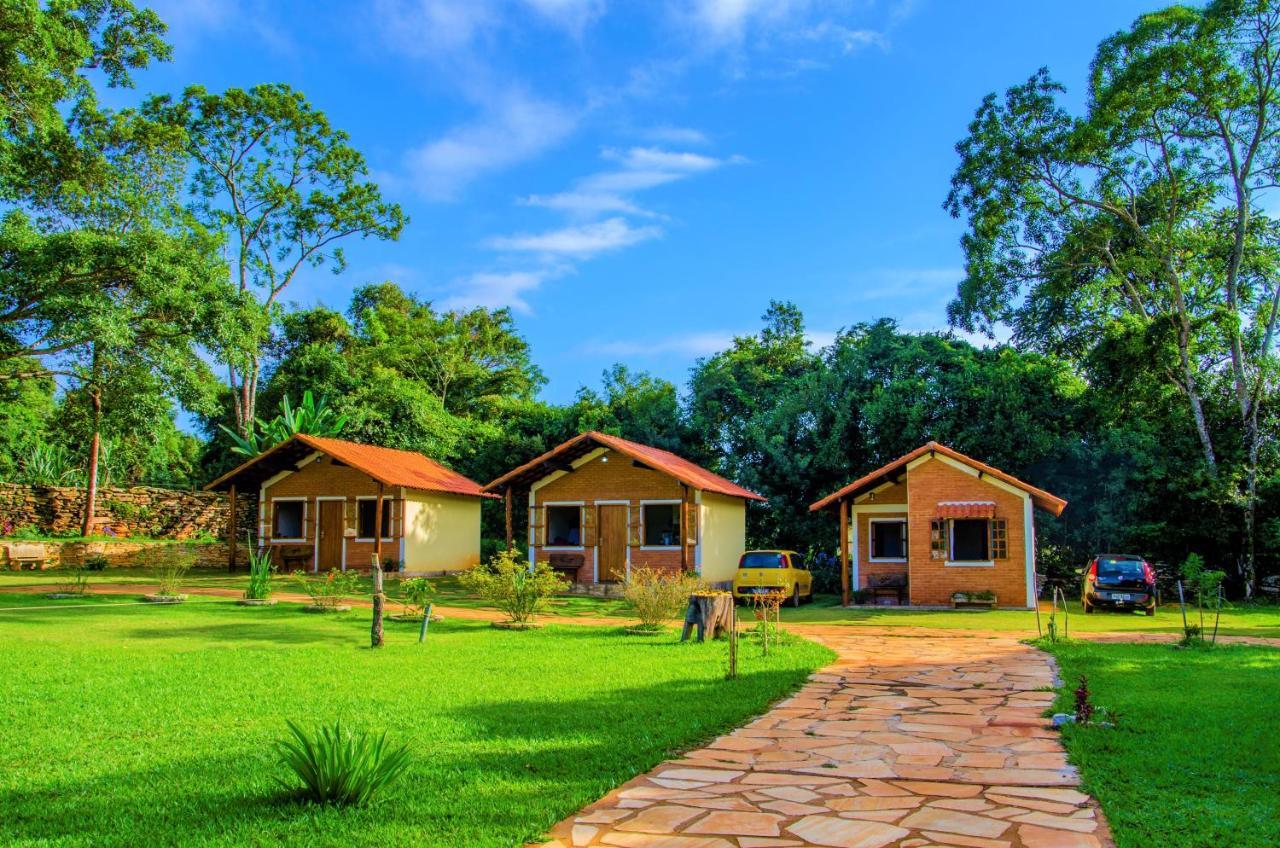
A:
(294, 557)
(27, 554)
(888, 586)
(566, 565)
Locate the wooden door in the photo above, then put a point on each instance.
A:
(613, 543)
(329, 548)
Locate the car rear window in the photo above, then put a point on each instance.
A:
(1120, 568)
(762, 561)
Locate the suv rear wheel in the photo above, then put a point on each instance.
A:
(795, 595)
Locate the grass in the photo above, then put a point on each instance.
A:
(137, 725)
(1243, 620)
(1195, 760)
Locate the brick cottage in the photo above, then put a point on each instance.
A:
(936, 522)
(600, 505)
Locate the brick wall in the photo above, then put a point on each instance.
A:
(136, 511)
(611, 477)
(932, 581)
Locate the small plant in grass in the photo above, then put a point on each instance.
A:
(328, 591)
(513, 586)
(170, 572)
(416, 595)
(74, 582)
(657, 596)
(768, 610)
(96, 562)
(339, 767)
(1203, 584)
(261, 572)
(1084, 707)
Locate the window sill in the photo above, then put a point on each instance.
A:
(984, 563)
(370, 540)
(659, 547)
(284, 541)
(887, 559)
(563, 548)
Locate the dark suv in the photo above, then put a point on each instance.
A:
(1119, 581)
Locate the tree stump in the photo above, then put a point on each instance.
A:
(710, 614)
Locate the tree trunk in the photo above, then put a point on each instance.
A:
(1250, 575)
(95, 445)
(379, 599)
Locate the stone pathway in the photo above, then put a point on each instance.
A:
(914, 741)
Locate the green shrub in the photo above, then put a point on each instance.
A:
(657, 596)
(340, 767)
(512, 586)
(329, 590)
(416, 594)
(863, 596)
(96, 562)
(172, 569)
(75, 580)
(261, 572)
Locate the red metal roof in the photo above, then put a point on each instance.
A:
(388, 465)
(1041, 498)
(668, 463)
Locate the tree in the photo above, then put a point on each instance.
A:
(1145, 209)
(285, 189)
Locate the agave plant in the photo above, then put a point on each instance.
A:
(49, 465)
(311, 416)
(261, 572)
(340, 767)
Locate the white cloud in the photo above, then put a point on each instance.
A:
(450, 29)
(686, 344)
(494, 290)
(579, 241)
(585, 203)
(571, 15)
(518, 128)
(655, 159)
(677, 135)
(880, 283)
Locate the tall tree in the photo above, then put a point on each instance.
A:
(1148, 203)
(286, 189)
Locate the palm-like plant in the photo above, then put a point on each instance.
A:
(311, 416)
(340, 767)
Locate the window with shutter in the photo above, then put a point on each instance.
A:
(938, 538)
(999, 538)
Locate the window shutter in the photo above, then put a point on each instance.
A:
(589, 526)
(634, 529)
(535, 525)
(938, 538)
(999, 529)
(689, 524)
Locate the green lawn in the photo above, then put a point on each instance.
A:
(142, 725)
(1256, 620)
(1196, 758)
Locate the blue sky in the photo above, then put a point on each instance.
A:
(638, 180)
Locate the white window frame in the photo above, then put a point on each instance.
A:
(871, 538)
(315, 546)
(306, 503)
(661, 502)
(967, 563)
(546, 525)
(386, 502)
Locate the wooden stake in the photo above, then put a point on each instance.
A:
(379, 599)
(844, 552)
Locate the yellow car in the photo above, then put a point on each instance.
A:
(773, 571)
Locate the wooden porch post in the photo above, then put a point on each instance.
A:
(511, 537)
(684, 529)
(379, 599)
(231, 529)
(844, 551)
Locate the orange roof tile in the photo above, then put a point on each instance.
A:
(390, 466)
(675, 466)
(1041, 498)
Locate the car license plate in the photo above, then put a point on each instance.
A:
(1117, 596)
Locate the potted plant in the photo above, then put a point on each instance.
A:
(513, 587)
(170, 572)
(261, 572)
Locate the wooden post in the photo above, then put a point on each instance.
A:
(511, 536)
(844, 551)
(379, 599)
(231, 531)
(684, 529)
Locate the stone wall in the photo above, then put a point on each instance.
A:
(136, 511)
(129, 554)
